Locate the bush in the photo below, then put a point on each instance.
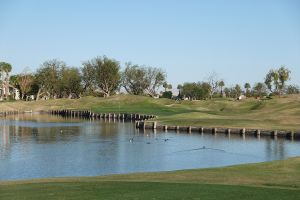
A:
(167, 94)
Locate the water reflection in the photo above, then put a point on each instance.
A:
(35, 146)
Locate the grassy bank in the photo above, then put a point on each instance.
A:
(271, 180)
(277, 113)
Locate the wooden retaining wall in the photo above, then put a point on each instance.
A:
(6, 113)
(91, 115)
(215, 130)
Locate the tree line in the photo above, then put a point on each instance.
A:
(274, 84)
(102, 76)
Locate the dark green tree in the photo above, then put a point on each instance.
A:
(221, 84)
(238, 90)
(71, 82)
(292, 89)
(247, 86)
(200, 90)
(88, 77)
(48, 78)
(259, 90)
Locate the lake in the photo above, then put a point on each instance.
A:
(40, 146)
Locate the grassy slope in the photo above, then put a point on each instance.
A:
(278, 113)
(272, 180)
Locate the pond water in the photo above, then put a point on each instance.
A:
(39, 146)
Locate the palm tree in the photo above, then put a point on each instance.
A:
(2, 64)
(165, 85)
(7, 69)
(179, 87)
(221, 84)
(247, 87)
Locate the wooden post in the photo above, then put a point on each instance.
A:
(154, 125)
(243, 131)
(190, 129)
(201, 130)
(228, 131)
(144, 125)
(137, 124)
(258, 132)
(214, 131)
(165, 127)
(292, 135)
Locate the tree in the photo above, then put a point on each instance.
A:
(259, 90)
(48, 78)
(271, 80)
(167, 94)
(227, 92)
(284, 75)
(138, 80)
(133, 79)
(200, 90)
(25, 81)
(88, 78)
(179, 88)
(221, 84)
(165, 85)
(212, 80)
(293, 89)
(247, 86)
(107, 75)
(71, 82)
(238, 90)
(5, 69)
(155, 77)
(275, 79)
(14, 83)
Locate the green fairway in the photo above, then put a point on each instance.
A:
(277, 113)
(271, 180)
(141, 190)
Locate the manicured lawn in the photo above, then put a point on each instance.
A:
(270, 180)
(277, 113)
(141, 190)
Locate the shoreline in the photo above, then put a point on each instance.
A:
(270, 174)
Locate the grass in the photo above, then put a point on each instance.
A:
(270, 180)
(277, 113)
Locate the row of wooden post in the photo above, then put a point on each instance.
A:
(89, 114)
(214, 130)
(5, 113)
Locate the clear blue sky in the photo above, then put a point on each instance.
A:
(239, 40)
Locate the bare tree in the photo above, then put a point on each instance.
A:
(155, 78)
(25, 82)
(213, 82)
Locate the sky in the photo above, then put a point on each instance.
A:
(189, 39)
